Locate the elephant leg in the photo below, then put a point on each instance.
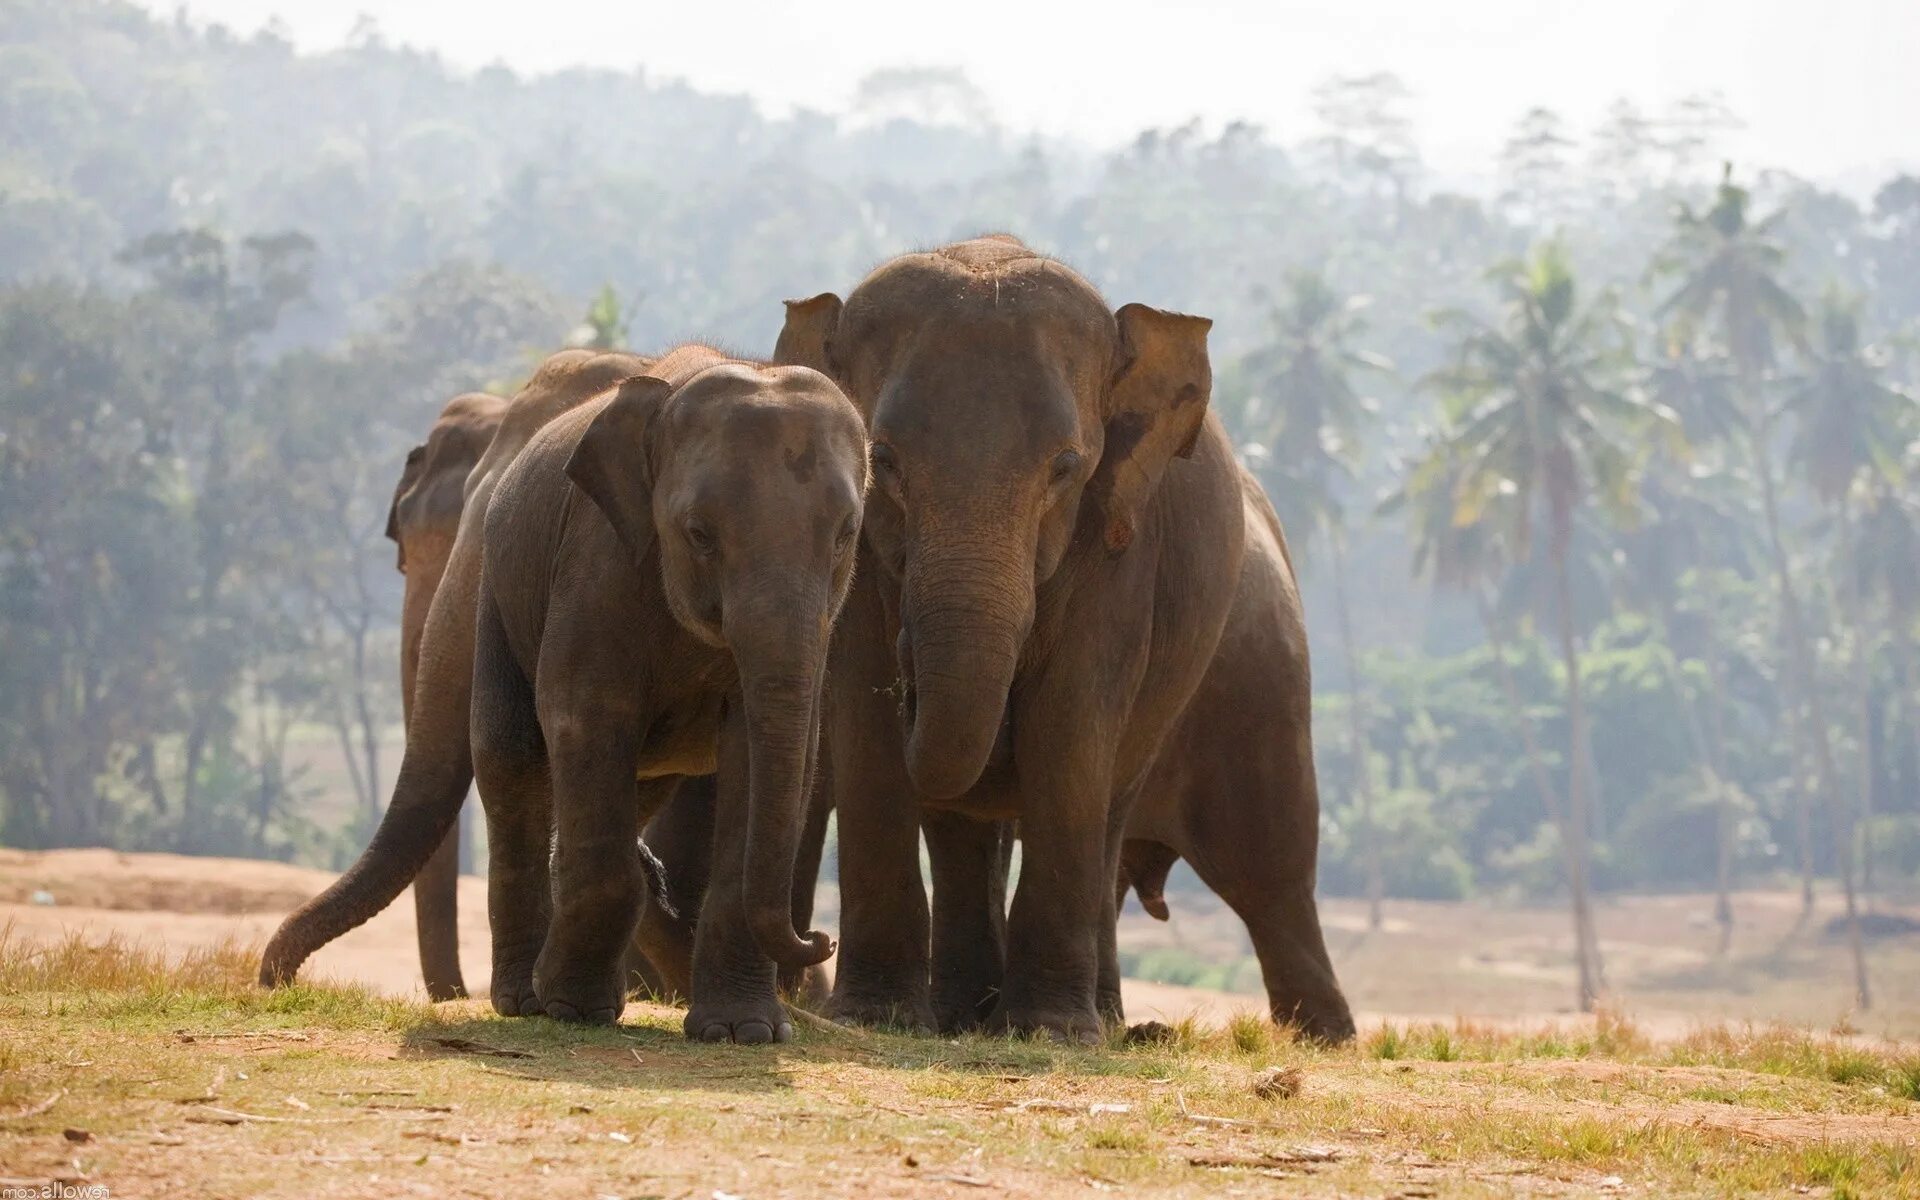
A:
(1256, 866)
(681, 835)
(881, 976)
(510, 766)
(436, 914)
(1302, 992)
(598, 875)
(1065, 894)
(735, 991)
(969, 859)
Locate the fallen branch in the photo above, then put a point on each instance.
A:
(468, 1046)
(820, 1024)
(34, 1110)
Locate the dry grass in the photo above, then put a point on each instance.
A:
(177, 1076)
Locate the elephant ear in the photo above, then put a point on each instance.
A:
(1156, 406)
(409, 475)
(805, 340)
(612, 464)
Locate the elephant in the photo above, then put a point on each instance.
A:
(1062, 559)
(436, 768)
(661, 570)
(1234, 791)
(423, 521)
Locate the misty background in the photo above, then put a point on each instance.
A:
(1574, 345)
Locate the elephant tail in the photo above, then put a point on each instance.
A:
(656, 876)
(426, 803)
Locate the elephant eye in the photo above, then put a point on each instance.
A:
(844, 538)
(700, 537)
(1065, 464)
(886, 469)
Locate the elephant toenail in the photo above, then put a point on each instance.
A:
(716, 1032)
(753, 1033)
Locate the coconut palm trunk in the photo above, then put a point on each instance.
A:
(1536, 759)
(1362, 756)
(1574, 829)
(1862, 624)
(1723, 807)
(1807, 684)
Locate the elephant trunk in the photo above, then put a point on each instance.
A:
(964, 619)
(780, 667)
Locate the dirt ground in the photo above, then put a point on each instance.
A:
(135, 1055)
(1430, 961)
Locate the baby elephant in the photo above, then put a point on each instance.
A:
(661, 572)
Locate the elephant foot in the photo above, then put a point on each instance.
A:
(1317, 1025)
(582, 1001)
(953, 1015)
(886, 1014)
(747, 1022)
(438, 992)
(1070, 1026)
(513, 993)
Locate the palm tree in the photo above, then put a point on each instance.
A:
(1690, 528)
(1850, 431)
(1887, 569)
(1728, 267)
(1311, 427)
(1538, 412)
(1695, 526)
(1474, 558)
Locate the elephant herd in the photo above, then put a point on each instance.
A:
(968, 559)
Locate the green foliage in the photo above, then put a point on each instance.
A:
(236, 282)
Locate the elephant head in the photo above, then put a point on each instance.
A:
(425, 514)
(1016, 422)
(745, 485)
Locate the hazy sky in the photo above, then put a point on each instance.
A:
(1827, 87)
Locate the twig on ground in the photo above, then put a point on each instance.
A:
(820, 1024)
(469, 1046)
(34, 1110)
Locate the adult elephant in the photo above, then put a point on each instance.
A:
(436, 769)
(423, 522)
(1234, 790)
(1058, 546)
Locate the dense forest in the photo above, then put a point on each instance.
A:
(1600, 484)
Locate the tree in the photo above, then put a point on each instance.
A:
(1728, 268)
(95, 556)
(1534, 168)
(1850, 432)
(1623, 147)
(1368, 140)
(1475, 557)
(237, 294)
(1538, 405)
(1310, 424)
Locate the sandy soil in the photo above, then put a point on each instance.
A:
(1430, 961)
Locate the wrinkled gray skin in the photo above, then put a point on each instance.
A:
(429, 502)
(660, 574)
(1054, 557)
(436, 769)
